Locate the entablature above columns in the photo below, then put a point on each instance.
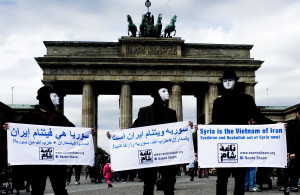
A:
(180, 74)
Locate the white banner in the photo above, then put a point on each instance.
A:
(151, 146)
(242, 146)
(49, 145)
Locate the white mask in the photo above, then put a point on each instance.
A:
(229, 83)
(164, 94)
(54, 98)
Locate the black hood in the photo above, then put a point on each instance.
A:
(44, 98)
(159, 106)
(157, 99)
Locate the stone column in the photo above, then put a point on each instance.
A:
(249, 89)
(95, 138)
(125, 106)
(175, 101)
(88, 108)
(210, 96)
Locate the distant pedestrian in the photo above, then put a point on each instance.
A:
(69, 174)
(250, 184)
(192, 167)
(107, 173)
(77, 174)
(98, 168)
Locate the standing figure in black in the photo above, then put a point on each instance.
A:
(234, 108)
(45, 114)
(292, 173)
(155, 114)
(158, 113)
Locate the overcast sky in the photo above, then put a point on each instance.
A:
(272, 26)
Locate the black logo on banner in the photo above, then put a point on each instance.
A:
(145, 156)
(46, 153)
(228, 153)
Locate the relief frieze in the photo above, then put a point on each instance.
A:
(93, 71)
(119, 71)
(53, 71)
(152, 49)
(67, 71)
(82, 71)
(143, 71)
(182, 72)
(132, 71)
(159, 72)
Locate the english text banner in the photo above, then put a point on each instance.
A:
(49, 145)
(242, 146)
(151, 146)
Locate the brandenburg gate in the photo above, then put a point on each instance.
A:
(134, 65)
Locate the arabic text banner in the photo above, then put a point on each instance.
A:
(151, 146)
(242, 146)
(49, 145)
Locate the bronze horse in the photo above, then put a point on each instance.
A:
(158, 26)
(131, 27)
(171, 27)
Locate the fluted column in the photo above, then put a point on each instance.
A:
(88, 108)
(125, 106)
(96, 122)
(210, 96)
(175, 101)
(249, 89)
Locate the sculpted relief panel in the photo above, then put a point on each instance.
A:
(141, 73)
(151, 49)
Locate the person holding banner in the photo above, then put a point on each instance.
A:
(158, 113)
(291, 174)
(45, 114)
(236, 109)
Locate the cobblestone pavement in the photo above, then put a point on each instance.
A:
(200, 186)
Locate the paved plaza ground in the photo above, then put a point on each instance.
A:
(200, 186)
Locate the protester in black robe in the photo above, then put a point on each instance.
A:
(157, 113)
(234, 108)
